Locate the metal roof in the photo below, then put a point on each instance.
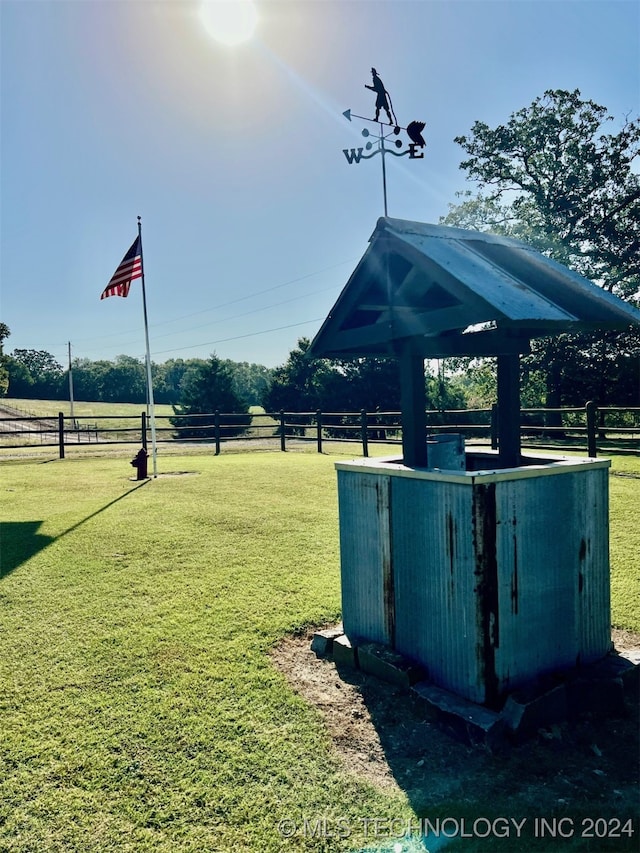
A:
(450, 291)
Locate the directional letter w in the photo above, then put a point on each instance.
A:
(353, 155)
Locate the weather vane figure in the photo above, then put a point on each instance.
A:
(413, 130)
(383, 99)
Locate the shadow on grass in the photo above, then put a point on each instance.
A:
(20, 540)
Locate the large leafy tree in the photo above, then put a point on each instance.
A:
(167, 378)
(119, 381)
(570, 180)
(250, 381)
(127, 381)
(34, 374)
(554, 177)
(304, 384)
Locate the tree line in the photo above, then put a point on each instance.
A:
(551, 176)
(35, 374)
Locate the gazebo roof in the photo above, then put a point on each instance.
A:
(449, 291)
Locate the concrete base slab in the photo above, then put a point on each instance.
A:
(322, 643)
(472, 724)
(388, 665)
(600, 687)
(525, 712)
(344, 654)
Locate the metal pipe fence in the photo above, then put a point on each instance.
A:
(587, 427)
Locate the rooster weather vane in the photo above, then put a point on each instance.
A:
(413, 130)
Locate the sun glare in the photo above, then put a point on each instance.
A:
(229, 21)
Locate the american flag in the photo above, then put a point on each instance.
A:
(130, 267)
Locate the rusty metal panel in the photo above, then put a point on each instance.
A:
(594, 586)
(537, 620)
(436, 620)
(365, 556)
(487, 578)
(552, 555)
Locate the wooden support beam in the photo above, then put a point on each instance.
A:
(509, 410)
(413, 403)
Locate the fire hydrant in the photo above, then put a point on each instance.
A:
(139, 462)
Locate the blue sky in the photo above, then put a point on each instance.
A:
(252, 219)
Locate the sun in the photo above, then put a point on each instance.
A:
(229, 22)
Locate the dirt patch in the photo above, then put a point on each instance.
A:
(627, 643)
(380, 735)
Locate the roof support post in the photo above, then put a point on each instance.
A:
(509, 410)
(413, 404)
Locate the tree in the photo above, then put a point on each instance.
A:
(205, 388)
(298, 385)
(556, 180)
(574, 183)
(5, 332)
(126, 381)
(87, 379)
(250, 381)
(35, 374)
(304, 384)
(167, 378)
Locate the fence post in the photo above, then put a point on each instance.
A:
(494, 426)
(61, 433)
(592, 417)
(216, 426)
(365, 437)
(143, 429)
(283, 445)
(319, 430)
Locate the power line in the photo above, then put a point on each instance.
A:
(258, 293)
(215, 307)
(239, 337)
(247, 313)
(222, 320)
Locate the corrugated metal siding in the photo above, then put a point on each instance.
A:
(594, 585)
(434, 582)
(365, 556)
(503, 291)
(554, 609)
(538, 577)
(487, 582)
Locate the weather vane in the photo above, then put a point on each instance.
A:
(413, 130)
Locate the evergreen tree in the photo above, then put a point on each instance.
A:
(208, 387)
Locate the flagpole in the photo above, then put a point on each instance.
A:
(149, 380)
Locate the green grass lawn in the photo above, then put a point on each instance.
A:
(139, 708)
